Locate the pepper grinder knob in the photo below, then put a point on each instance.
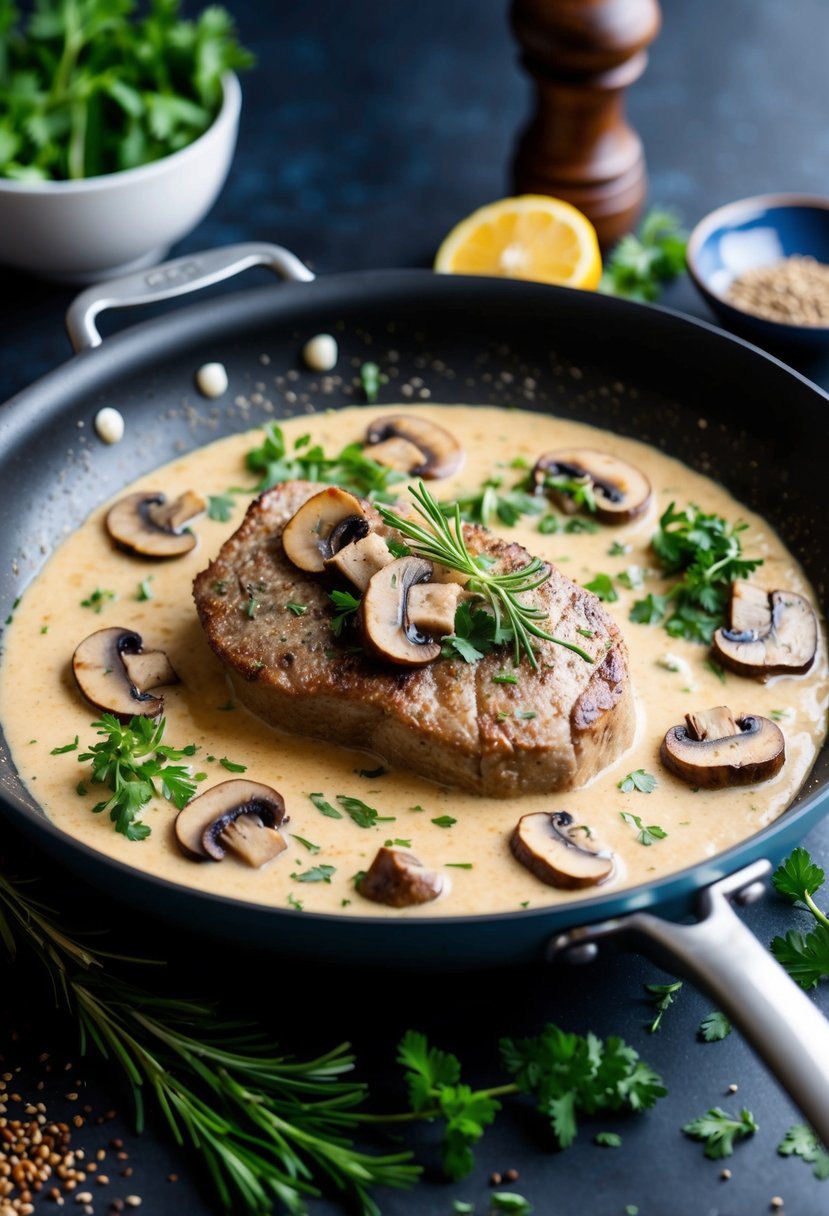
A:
(582, 55)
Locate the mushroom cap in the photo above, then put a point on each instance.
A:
(769, 633)
(399, 879)
(559, 851)
(145, 524)
(225, 816)
(622, 493)
(115, 673)
(387, 631)
(752, 749)
(414, 445)
(323, 525)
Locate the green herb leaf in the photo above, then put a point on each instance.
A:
(98, 598)
(665, 995)
(363, 815)
(639, 780)
(296, 609)
(647, 835)
(370, 380)
(220, 507)
(324, 807)
(608, 1139)
(231, 767)
(801, 1141)
(509, 1201)
(805, 957)
(602, 586)
(321, 873)
(67, 747)
(714, 1026)
(346, 605)
(640, 263)
(797, 878)
(719, 1131)
(145, 591)
(444, 821)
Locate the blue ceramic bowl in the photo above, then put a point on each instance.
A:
(756, 232)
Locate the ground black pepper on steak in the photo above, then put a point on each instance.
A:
(448, 721)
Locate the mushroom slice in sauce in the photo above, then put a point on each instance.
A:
(322, 526)
(621, 493)
(116, 674)
(148, 525)
(387, 630)
(360, 560)
(559, 851)
(242, 816)
(414, 446)
(770, 633)
(714, 749)
(397, 878)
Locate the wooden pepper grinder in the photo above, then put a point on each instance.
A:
(582, 56)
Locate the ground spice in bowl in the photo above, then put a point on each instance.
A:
(793, 291)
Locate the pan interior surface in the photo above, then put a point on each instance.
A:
(640, 372)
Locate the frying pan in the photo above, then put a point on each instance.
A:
(723, 406)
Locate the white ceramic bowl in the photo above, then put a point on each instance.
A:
(84, 231)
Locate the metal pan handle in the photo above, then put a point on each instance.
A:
(726, 960)
(175, 278)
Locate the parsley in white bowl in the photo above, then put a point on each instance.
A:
(116, 133)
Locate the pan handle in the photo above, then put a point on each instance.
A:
(725, 959)
(175, 278)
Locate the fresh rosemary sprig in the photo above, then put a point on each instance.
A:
(443, 543)
(267, 1128)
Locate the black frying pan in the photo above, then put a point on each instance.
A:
(724, 407)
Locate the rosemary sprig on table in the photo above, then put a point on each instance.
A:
(267, 1128)
(443, 542)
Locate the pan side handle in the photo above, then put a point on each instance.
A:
(175, 278)
(726, 960)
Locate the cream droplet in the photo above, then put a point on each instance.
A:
(109, 425)
(211, 379)
(321, 353)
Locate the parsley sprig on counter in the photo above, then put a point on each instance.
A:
(135, 765)
(705, 550)
(719, 1131)
(641, 263)
(805, 956)
(567, 1074)
(442, 542)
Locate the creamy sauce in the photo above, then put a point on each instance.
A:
(41, 708)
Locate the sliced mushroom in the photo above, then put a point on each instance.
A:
(432, 607)
(388, 631)
(397, 878)
(770, 633)
(147, 525)
(242, 816)
(116, 674)
(620, 491)
(714, 749)
(322, 526)
(360, 560)
(559, 851)
(414, 446)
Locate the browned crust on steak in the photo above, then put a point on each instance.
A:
(449, 721)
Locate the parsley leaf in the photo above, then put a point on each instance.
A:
(666, 995)
(98, 598)
(719, 1130)
(477, 632)
(801, 1141)
(805, 957)
(370, 380)
(444, 821)
(67, 747)
(351, 468)
(220, 507)
(706, 551)
(363, 815)
(608, 1139)
(639, 780)
(321, 873)
(715, 1026)
(325, 807)
(568, 1074)
(346, 606)
(648, 835)
(602, 586)
(640, 263)
(130, 760)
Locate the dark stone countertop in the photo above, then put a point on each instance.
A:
(368, 130)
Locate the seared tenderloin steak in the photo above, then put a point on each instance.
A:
(552, 730)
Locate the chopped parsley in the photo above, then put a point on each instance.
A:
(801, 1141)
(296, 609)
(646, 836)
(505, 677)
(804, 956)
(145, 591)
(321, 873)
(324, 807)
(346, 605)
(444, 821)
(602, 586)
(639, 780)
(220, 507)
(370, 380)
(312, 848)
(719, 1131)
(665, 995)
(706, 551)
(67, 747)
(231, 767)
(98, 598)
(363, 815)
(351, 468)
(714, 1026)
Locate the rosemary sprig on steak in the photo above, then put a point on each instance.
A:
(443, 543)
